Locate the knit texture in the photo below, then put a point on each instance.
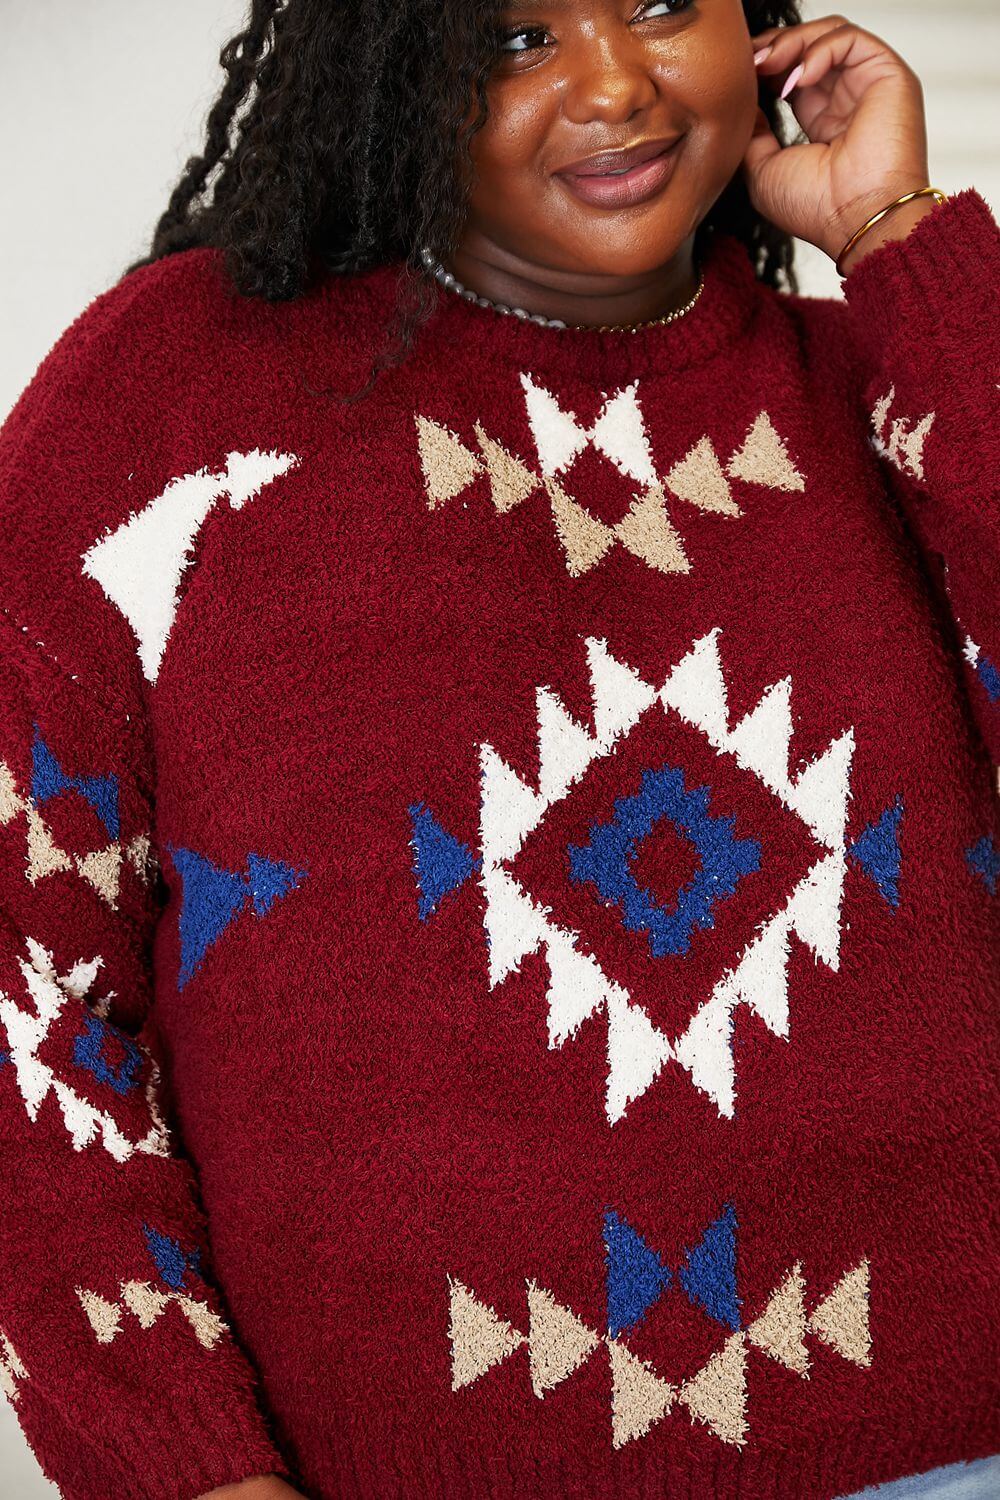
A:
(498, 886)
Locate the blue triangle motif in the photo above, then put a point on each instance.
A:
(989, 676)
(876, 850)
(984, 861)
(441, 863)
(172, 1260)
(270, 879)
(48, 779)
(211, 898)
(636, 1275)
(709, 1273)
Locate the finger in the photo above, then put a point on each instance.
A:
(806, 30)
(842, 44)
(763, 145)
(801, 33)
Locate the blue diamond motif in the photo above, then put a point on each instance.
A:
(605, 861)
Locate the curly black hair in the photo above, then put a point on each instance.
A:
(340, 141)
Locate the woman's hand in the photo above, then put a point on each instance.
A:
(261, 1487)
(863, 111)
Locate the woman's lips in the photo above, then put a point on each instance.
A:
(635, 186)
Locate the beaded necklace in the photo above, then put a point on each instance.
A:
(453, 284)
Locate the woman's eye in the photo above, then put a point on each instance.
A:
(530, 38)
(667, 7)
(516, 37)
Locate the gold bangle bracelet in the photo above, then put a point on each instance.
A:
(926, 192)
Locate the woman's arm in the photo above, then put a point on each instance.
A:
(926, 325)
(116, 1348)
(922, 292)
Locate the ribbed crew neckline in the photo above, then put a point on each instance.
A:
(458, 328)
(719, 316)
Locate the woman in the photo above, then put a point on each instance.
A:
(498, 759)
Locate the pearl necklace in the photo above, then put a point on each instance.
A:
(453, 284)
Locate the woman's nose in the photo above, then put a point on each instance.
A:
(606, 78)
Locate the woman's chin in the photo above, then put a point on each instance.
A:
(601, 252)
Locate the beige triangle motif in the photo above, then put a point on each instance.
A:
(841, 1319)
(647, 533)
(639, 1398)
(102, 869)
(141, 856)
(511, 481)
(584, 537)
(763, 458)
(11, 802)
(103, 1316)
(11, 1369)
(448, 465)
(717, 1395)
(44, 854)
(698, 478)
(780, 1330)
(479, 1338)
(557, 1340)
(208, 1326)
(144, 1300)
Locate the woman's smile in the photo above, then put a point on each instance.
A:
(624, 187)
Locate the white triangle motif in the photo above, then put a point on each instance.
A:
(636, 1052)
(619, 432)
(696, 689)
(141, 563)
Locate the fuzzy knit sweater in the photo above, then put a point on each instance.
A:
(498, 883)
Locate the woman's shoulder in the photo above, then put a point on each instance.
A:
(822, 331)
(184, 312)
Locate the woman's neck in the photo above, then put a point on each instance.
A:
(576, 297)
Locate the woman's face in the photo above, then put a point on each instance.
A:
(582, 77)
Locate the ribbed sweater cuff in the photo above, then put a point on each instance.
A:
(187, 1447)
(935, 289)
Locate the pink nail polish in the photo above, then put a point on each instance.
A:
(791, 81)
(759, 57)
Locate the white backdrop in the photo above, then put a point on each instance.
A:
(101, 101)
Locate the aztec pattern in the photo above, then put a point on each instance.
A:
(11, 1369)
(147, 1302)
(141, 564)
(619, 434)
(213, 897)
(902, 442)
(101, 868)
(105, 1084)
(807, 905)
(558, 1342)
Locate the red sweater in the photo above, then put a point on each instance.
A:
(498, 971)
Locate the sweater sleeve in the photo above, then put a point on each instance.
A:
(925, 318)
(116, 1350)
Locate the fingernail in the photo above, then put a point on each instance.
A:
(791, 81)
(759, 57)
